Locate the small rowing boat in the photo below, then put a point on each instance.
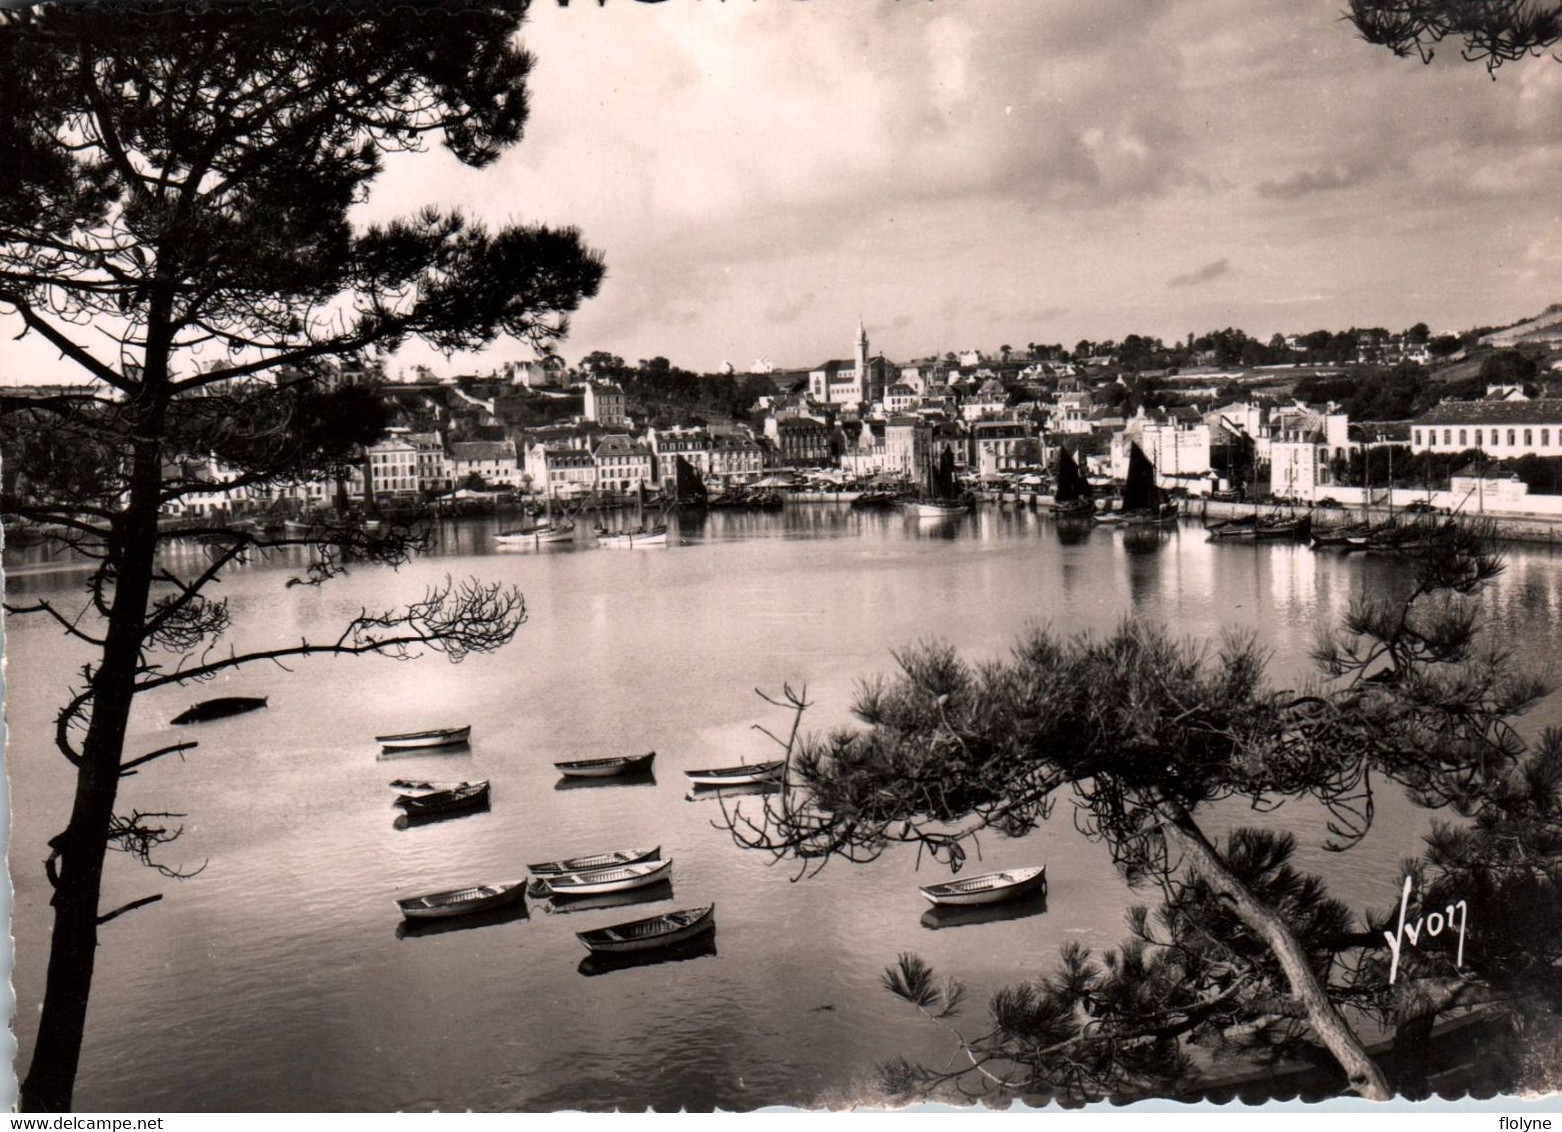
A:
(464, 797)
(607, 860)
(988, 889)
(460, 901)
(220, 708)
(737, 775)
(416, 740)
(667, 930)
(621, 878)
(606, 768)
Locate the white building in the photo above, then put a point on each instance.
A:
(1506, 429)
(623, 465)
(1302, 442)
(493, 460)
(605, 404)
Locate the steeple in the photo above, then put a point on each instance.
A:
(862, 348)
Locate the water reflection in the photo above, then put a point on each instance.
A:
(504, 914)
(413, 821)
(716, 793)
(644, 778)
(1073, 532)
(953, 916)
(594, 964)
(392, 754)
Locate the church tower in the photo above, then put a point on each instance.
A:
(862, 361)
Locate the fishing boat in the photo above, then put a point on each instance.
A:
(461, 901)
(606, 768)
(642, 539)
(220, 708)
(737, 775)
(621, 878)
(689, 489)
(466, 796)
(667, 930)
(939, 496)
(607, 860)
(1233, 529)
(1071, 499)
(538, 534)
(425, 784)
(990, 888)
(1144, 502)
(416, 740)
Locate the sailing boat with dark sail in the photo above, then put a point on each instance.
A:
(1072, 497)
(690, 488)
(1143, 500)
(940, 496)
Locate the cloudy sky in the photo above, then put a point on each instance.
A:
(978, 172)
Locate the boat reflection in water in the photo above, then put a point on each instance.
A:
(603, 964)
(504, 914)
(955, 916)
(650, 894)
(450, 750)
(644, 778)
(412, 821)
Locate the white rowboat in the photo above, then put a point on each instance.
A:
(594, 861)
(666, 930)
(606, 768)
(737, 775)
(415, 740)
(988, 889)
(460, 901)
(621, 878)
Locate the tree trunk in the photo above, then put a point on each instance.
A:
(1366, 1079)
(80, 849)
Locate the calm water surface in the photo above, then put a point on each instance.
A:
(278, 978)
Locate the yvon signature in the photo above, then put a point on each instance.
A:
(1434, 924)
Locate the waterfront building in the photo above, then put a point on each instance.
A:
(561, 472)
(693, 444)
(1176, 440)
(907, 441)
(434, 467)
(492, 460)
(623, 465)
(1505, 429)
(802, 442)
(736, 459)
(863, 454)
(1302, 443)
(605, 404)
(393, 469)
(1001, 446)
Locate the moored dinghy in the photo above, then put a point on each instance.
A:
(666, 930)
(620, 878)
(417, 740)
(988, 889)
(460, 901)
(465, 796)
(606, 768)
(737, 775)
(607, 860)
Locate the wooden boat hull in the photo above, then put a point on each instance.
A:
(936, 510)
(632, 541)
(461, 901)
(541, 534)
(418, 740)
(653, 934)
(445, 801)
(600, 882)
(737, 775)
(219, 708)
(606, 768)
(611, 859)
(992, 888)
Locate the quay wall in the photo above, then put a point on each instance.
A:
(1515, 527)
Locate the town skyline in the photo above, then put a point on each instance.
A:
(966, 178)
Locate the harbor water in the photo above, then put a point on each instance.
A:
(281, 975)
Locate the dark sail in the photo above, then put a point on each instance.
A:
(1071, 485)
(1140, 492)
(691, 488)
(943, 476)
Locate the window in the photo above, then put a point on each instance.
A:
(1418, 436)
(1461, 438)
(1510, 438)
(1477, 438)
(1545, 438)
(1448, 436)
(1529, 438)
